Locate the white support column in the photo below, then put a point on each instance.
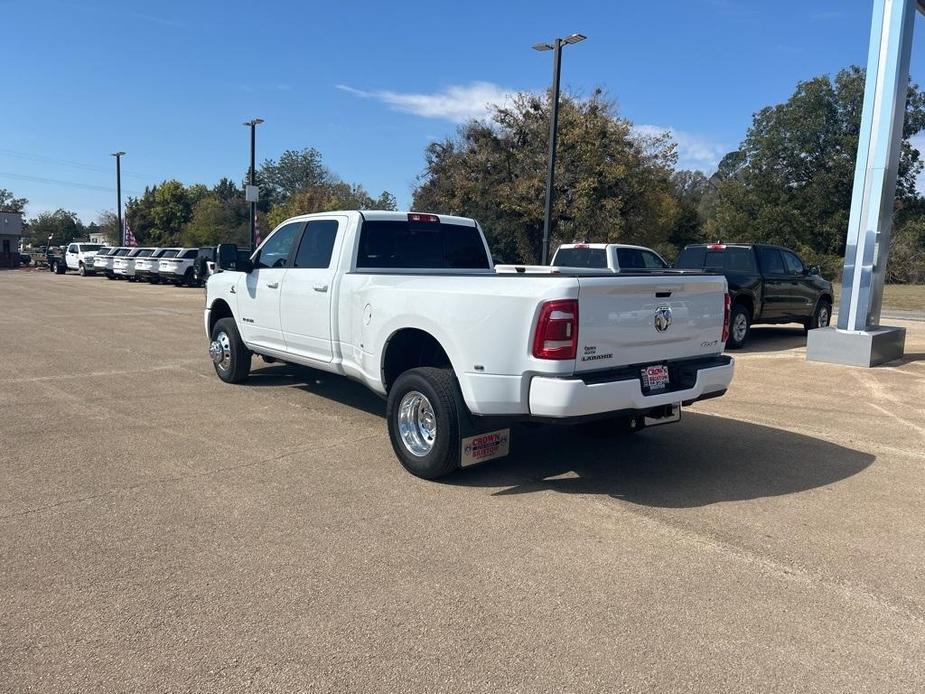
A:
(859, 338)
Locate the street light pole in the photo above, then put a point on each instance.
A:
(252, 179)
(118, 156)
(556, 48)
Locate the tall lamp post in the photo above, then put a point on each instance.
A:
(556, 48)
(251, 192)
(118, 156)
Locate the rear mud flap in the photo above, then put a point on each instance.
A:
(480, 438)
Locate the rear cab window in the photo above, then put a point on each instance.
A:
(639, 259)
(581, 257)
(404, 244)
(719, 259)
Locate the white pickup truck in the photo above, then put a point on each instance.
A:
(410, 305)
(611, 256)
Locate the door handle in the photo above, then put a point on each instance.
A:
(272, 285)
(320, 287)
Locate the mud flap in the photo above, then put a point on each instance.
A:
(480, 438)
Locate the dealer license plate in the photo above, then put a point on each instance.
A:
(655, 378)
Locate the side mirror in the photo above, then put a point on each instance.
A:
(814, 270)
(226, 258)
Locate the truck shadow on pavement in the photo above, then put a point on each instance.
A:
(772, 338)
(702, 460)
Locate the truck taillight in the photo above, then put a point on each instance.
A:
(556, 334)
(727, 307)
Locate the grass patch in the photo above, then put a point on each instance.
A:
(902, 297)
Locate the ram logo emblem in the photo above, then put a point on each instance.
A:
(662, 318)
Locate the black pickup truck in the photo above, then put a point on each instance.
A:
(768, 284)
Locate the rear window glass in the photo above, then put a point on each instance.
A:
(169, 253)
(89, 247)
(581, 257)
(186, 255)
(771, 261)
(122, 251)
(403, 244)
(639, 259)
(691, 258)
(144, 252)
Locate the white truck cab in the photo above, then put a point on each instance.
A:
(79, 256)
(410, 304)
(610, 256)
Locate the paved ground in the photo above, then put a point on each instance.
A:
(162, 531)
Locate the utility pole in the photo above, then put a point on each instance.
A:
(251, 192)
(556, 48)
(118, 156)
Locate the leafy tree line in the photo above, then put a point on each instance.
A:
(789, 182)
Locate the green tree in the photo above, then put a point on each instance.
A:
(9, 203)
(791, 180)
(295, 171)
(327, 197)
(61, 225)
(690, 190)
(215, 221)
(159, 216)
(611, 184)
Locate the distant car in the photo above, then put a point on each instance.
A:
(124, 265)
(767, 284)
(102, 261)
(25, 259)
(147, 268)
(611, 256)
(79, 257)
(179, 269)
(204, 265)
(54, 258)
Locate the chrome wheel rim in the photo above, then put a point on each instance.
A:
(220, 351)
(740, 327)
(823, 317)
(417, 423)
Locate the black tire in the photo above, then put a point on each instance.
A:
(188, 277)
(438, 386)
(821, 317)
(612, 427)
(239, 366)
(738, 333)
(81, 270)
(60, 267)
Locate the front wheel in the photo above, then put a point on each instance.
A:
(821, 317)
(60, 268)
(81, 270)
(230, 357)
(423, 422)
(739, 326)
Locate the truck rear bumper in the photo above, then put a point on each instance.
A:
(559, 398)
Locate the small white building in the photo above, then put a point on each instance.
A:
(10, 233)
(98, 237)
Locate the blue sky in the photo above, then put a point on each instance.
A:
(370, 84)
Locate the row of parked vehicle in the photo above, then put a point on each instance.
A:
(180, 266)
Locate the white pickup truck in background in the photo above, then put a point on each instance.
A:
(610, 256)
(410, 305)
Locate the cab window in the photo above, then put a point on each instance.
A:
(793, 264)
(72, 248)
(275, 252)
(639, 259)
(771, 262)
(317, 244)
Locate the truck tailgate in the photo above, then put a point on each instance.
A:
(644, 320)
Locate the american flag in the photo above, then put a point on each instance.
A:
(257, 240)
(128, 238)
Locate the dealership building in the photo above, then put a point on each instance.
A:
(10, 234)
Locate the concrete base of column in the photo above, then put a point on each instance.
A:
(865, 348)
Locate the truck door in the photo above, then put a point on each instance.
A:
(70, 256)
(777, 284)
(803, 299)
(259, 292)
(306, 299)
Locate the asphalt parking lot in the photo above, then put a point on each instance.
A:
(163, 531)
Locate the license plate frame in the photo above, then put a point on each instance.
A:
(655, 378)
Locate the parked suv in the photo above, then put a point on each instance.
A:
(768, 284)
(179, 269)
(147, 267)
(611, 256)
(124, 265)
(102, 261)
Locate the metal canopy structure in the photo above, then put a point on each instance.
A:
(859, 339)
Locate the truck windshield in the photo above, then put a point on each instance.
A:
(89, 247)
(420, 245)
(581, 257)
